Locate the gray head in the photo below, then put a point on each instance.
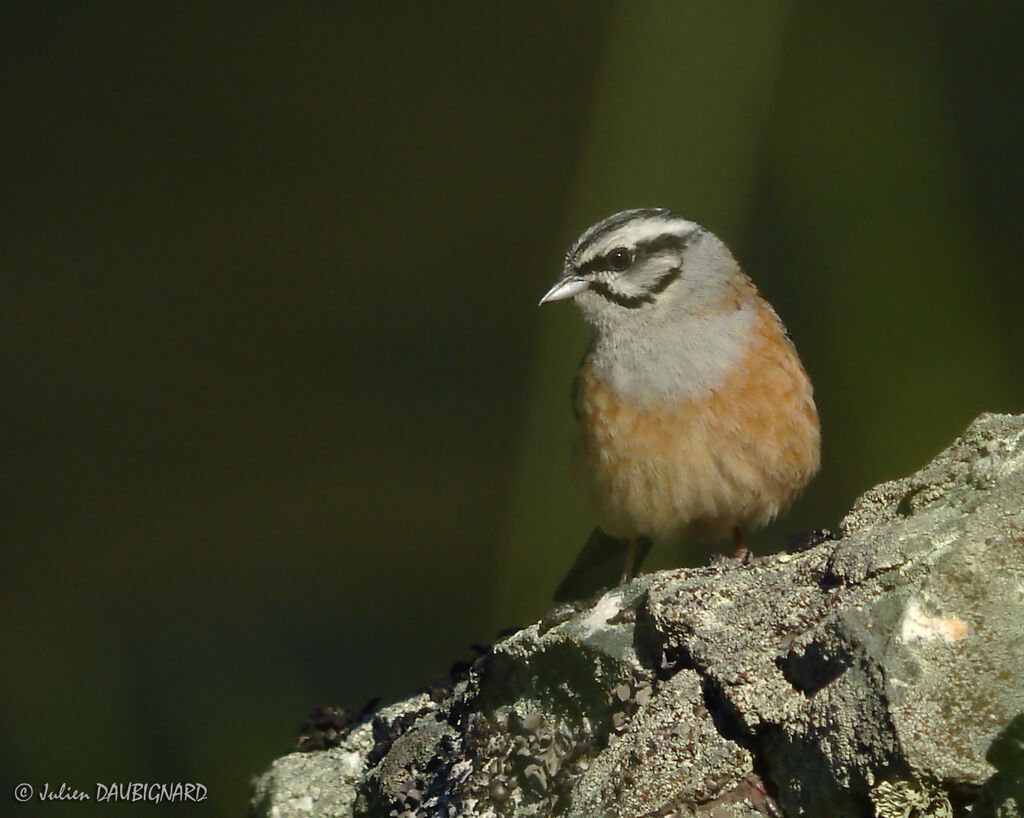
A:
(639, 264)
(670, 307)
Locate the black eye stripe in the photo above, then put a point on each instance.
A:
(666, 241)
(595, 265)
(648, 247)
(666, 280)
(633, 302)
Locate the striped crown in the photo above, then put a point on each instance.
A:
(632, 257)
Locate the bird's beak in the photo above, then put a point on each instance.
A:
(565, 287)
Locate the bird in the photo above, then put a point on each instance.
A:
(695, 414)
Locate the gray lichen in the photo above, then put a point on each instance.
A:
(876, 673)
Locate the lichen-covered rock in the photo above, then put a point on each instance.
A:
(661, 760)
(875, 673)
(322, 783)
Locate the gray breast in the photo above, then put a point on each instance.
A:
(674, 357)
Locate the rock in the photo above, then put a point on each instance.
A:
(877, 672)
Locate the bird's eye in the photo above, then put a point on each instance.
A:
(620, 258)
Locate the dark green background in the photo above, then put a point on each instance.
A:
(281, 423)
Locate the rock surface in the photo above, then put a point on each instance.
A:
(876, 673)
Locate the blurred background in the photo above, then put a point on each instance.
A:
(282, 425)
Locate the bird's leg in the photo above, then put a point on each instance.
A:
(742, 553)
(627, 568)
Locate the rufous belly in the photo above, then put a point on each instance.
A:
(736, 456)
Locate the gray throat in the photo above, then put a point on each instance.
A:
(671, 359)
